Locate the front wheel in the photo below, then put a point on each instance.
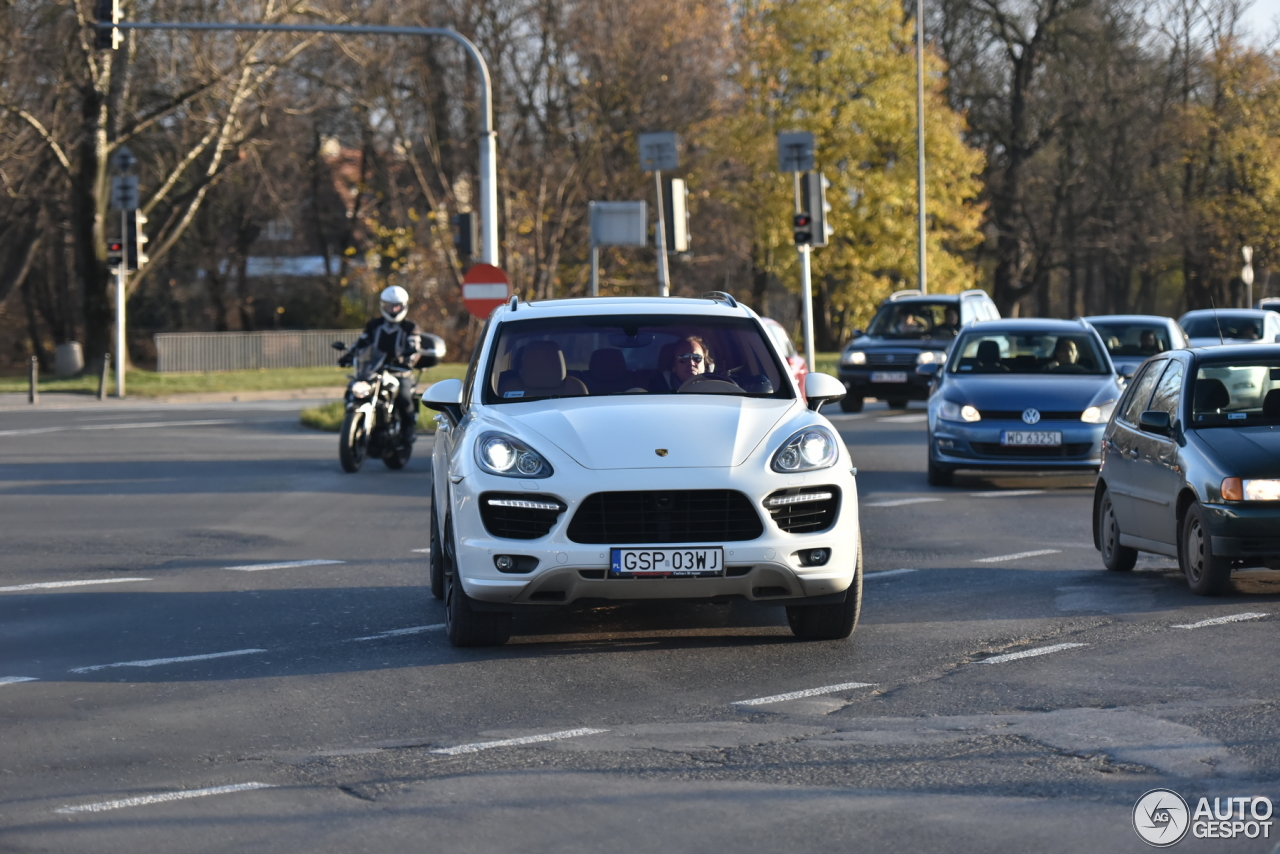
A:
(939, 475)
(353, 442)
(397, 457)
(830, 622)
(464, 624)
(851, 403)
(1207, 574)
(435, 560)
(1115, 557)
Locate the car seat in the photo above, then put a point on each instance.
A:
(542, 373)
(989, 357)
(1211, 395)
(1271, 404)
(607, 372)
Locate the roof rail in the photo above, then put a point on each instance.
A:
(909, 292)
(720, 296)
(973, 291)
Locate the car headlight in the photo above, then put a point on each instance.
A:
(952, 411)
(854, 357)
(929, 357)
(1098, 414)
(1235, 489)
(360, 388)
(498, 453)
(808, 450)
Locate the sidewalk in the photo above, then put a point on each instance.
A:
(68, 400)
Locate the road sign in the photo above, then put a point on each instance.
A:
(484, 288)
(795, 151)
(123, 160)
(124, 192)
(658, 152)
(619, 223)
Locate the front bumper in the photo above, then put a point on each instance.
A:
(1243, 531)
(977, 445)
(858, 382)
(764, 569)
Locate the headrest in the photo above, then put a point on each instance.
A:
(1271, 404)
(542, 365)
(988, 352)
(608, 364)
(666, 355)
(1211, 395)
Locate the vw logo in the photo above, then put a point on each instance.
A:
(1031, 416)
(889, 358)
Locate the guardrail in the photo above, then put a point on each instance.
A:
(246, 351)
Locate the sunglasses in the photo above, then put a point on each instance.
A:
(696, 358)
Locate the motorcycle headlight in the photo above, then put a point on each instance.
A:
(808, 450)
(360, 388)
(854, 357)
(1098, 414)
(952, 411)
(929, 357)
(498, 453)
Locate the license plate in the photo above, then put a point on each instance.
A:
(1030, 437)
(888, 376)
(658, 563)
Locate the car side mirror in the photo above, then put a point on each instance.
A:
(1155, 421)
(820, 388)
(338, 345)
(445, 396)
(1278, 339)
(1127, 373)
(929, 369)
(856, 333)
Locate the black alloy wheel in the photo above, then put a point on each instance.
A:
(353, 442)
(464, 625)
(1207, 574)
(435, 559)
(830, 622)
(939, 475)
(1115, 557)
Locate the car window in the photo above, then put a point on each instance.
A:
(1236, 393)
(632, 354)
(1050, 353)
(780, 337)
(1134, 339)
(1239, 326)
(916, 320)
(1169, 392)
(1136, 403)
(468, 383)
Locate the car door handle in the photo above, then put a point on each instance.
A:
(1133, 453)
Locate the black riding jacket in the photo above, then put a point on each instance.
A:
(400, 341)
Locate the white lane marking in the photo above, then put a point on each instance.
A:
(137, 426)
(903, 419)
(156, 662)
(901, 502)
(421, 551)
(258, 567)
(393, 633)
(13, 680)
(49, 585)
(143, 800)
(1007, 493)
(847, 416)
(1030, 653)
(1217, 621)
(809, 692)
(886, 573)
(512, 742)
(1019, 555)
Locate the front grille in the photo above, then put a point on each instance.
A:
(1070, 449)
(665, 516)
(1260, 546)
(1016, 415)
(804, 511)
(518, 516)
(896, 360)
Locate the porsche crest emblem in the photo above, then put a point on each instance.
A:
(662, 452)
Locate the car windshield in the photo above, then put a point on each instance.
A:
(1130, 338)
(632, 354)
(1240, 326)
(1236, 394)
(1031, 352)
(918, 320)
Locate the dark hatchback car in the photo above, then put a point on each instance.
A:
(909, 329)
(1191, 465)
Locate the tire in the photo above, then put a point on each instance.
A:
(896, 402)
(397, 457)
(435, 559)
(1115, 557)
(830, 622)
(851, 403)
(353, 442)
(939, 475)
(1207, 574)
(464, 625)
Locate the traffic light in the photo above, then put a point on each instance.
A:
(815, 201)
(134, 239)
(675, 210)
(115, 251)
(803, 229)
(466, 238)
(107, 11)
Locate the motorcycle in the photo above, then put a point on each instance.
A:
(372, 426)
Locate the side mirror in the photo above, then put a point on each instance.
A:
(820, 388)
(1278, 339)
(338, 345)
(929, 369)
(445, 396)
(1155, 421)
(856, 333)
(1127, 373)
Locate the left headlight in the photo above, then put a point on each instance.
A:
(500, 454)
(930, 357)
(808, 450)
(854, 357)
(1098, 414)
(952, 411)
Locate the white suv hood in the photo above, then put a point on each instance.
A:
(695, 430)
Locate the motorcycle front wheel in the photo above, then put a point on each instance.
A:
(397, 458)
(353, 442)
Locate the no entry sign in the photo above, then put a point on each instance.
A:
(484, 288)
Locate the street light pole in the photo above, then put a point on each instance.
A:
(924, 278)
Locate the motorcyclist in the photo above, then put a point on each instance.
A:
(401, 340)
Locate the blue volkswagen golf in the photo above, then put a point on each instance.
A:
(1021, 394)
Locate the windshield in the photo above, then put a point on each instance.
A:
(632, 354)
(1030, 352)
(1233, 326)
(916, 320)
(1133, 339)
(1236, 394)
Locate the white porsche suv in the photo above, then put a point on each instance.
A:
(605, 450)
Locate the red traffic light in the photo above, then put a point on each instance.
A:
(115, 246)
(803, 220)
(803, 229)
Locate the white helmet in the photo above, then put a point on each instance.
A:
(395, 303)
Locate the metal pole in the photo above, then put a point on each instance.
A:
(487, 136)
(121, 279)
(660, 240)
(595, 270)
(924, 277)
(806, 287)
(33, 390)
(102, 380)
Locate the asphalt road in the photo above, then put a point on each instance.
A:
(211, 639)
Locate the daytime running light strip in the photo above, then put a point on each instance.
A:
(523, 505)
(783, 500)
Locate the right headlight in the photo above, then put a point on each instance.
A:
(500, 454)
(952, 411)
(810, 449)
(854, 357)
